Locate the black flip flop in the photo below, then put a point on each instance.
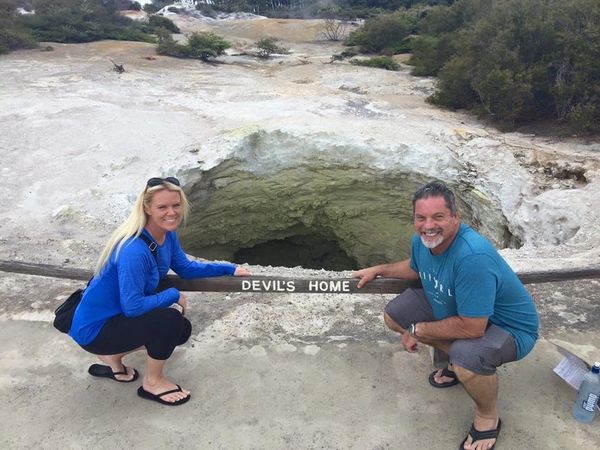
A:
(98, 370)
(157, 397)
(481, 435)
(446, 372)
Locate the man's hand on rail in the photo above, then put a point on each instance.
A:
(365, 275)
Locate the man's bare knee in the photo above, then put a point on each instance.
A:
(462, 373)
(466, 375)
(391, 324)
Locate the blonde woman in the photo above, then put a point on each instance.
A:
(121, 312)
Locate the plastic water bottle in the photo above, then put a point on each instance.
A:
(584, 408)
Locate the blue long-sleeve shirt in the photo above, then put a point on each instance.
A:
(127, 285)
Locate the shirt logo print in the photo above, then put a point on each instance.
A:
(439, 292)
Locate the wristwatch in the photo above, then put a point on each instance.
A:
(412, 330)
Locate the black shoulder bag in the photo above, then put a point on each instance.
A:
(63, 315)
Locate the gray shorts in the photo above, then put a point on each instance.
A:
(481, 355)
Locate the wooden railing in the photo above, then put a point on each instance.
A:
(287, 284)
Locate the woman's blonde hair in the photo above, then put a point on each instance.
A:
(135, 223)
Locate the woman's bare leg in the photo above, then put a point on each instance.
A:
(116, 364)
(155, 381)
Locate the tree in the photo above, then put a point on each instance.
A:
(334, 29)
(167, 45)
(515, 60)
(7, 7)
(163, 22)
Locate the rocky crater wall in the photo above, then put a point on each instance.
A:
(288, 200)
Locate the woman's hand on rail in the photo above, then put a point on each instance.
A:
(182, 302)
(241, 272)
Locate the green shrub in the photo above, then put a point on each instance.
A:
(163, 22)
(502, 95)
(585, 117)
(13, 39)
(404, 46)
(206, 45)
(167, 45)
(267, 46)
(516, 61)
(383, 31)
(454, 85)
(150, 8)
(200, 45)
(72, 28)
(429, 54)
(381, 62)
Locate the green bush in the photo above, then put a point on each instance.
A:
(80, 21)
(502, 95)
(454, 85)
(150, 8)
(380, 62)
(167, 45)
(426, 55)
(163, 22)
(13, 39)
(68, 21)
(206, 45)
(516, 61)
(200, 45)
(383, 31)
(356, 38)
(585, 116)
(267, 46)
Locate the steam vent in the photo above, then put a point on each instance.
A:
(289, 201)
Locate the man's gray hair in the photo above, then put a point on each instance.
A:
(436, 189)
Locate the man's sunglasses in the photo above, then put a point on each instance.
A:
(152, 182)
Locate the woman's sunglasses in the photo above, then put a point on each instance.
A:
(152, 182)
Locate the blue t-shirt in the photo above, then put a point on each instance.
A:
(128, 284)
(471, 279)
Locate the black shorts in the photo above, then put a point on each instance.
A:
(159, 330)
(480, 355)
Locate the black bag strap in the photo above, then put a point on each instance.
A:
(152, 246)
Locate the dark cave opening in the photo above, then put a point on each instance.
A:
(308, 251)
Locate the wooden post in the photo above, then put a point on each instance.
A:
(290, 285)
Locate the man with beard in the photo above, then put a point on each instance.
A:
(472, 307)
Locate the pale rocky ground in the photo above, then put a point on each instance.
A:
(78, 141)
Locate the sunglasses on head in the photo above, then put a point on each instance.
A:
(152, 182)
